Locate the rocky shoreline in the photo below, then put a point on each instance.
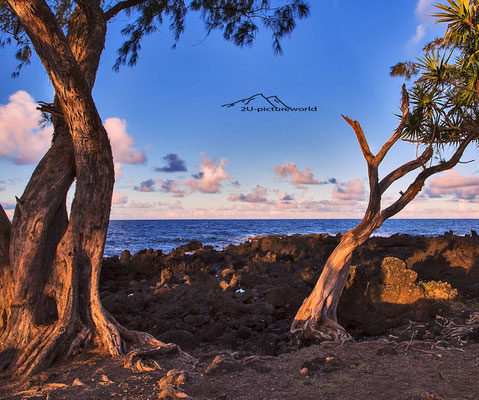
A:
(411, 303)
(244, 297)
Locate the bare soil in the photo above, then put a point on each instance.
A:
(415, 322)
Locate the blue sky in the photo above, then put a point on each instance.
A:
(165, 115)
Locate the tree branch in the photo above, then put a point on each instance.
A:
(418, 183)
(462, 87)
(397, 134)
(403, 170)
(120, 6)
(363, 143)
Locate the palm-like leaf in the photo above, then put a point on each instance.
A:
(461, 17)
(445, 97)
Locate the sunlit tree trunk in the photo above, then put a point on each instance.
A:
(50, 305)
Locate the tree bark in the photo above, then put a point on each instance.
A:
(316, 319)
(52, 306)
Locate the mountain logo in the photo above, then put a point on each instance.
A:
(272, 100)
(259, 102)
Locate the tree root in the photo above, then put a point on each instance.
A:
(313, 330)
(141, 348)
(141, 359)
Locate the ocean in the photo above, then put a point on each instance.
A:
(165, 235)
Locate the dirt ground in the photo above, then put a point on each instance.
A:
(415, 323)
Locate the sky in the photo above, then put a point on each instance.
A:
(179, 154)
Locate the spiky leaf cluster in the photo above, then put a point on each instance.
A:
(445, 95)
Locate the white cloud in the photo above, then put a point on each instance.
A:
(420, 32)
(424, 9)
(22, 140)
(170, 186)
(305, 177)
(258, 195)
(119, 198)
(351, 190)
(118, 170)
(211, 177)
(452, 183)
(137, 204)
(122, 144)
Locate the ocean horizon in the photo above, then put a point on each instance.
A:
(166, 234)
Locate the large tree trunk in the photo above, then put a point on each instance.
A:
(52, 306)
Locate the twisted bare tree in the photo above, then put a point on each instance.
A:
(445, 99)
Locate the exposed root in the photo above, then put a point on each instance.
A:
(318, 331)
(141, 348)
(142, 359)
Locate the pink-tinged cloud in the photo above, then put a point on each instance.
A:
(351, 190)
(119, 198)
(137, 204)
(285, 197)
(452, 183)
(211, 177)
(258, 195)
(146, 186)
(305, 177)
(170, 186)
(118, 170)
(22, 139)
(122, 144)
(286, 202)
(176, 206)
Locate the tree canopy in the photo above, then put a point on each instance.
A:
(238, 20)
(445, 94)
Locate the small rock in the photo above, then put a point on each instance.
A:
(173, 377)
(224, 285)
(326, 364)
(268, 345)
(105, 379)
(304, 371)
(227, 271)
(186, 340)
(235, 281)
(387, 351)
(125, 256)
(169, 385)
(243, 332)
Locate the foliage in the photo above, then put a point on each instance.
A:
(237, 19)
(445, 94)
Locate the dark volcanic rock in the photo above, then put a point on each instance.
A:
(179, 298)
(186, 340)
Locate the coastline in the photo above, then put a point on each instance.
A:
(168, 234)
(411, 303)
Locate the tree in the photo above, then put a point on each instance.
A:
(49, 262)
(445, 113)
